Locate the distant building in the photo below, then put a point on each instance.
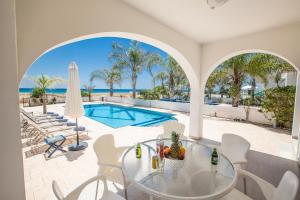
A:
(288, 78)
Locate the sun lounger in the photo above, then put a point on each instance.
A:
(44, 118)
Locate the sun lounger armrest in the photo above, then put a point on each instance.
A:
(266, 187)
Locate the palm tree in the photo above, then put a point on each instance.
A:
(174, 75)
(257, 68)
(89, 89)
(235, 68)
(153, 59)
(222, 80)
(277, 67)
(239, 68)
(132, 59)
(161, 76)
(110, 76)
(211, 83)
(44, 82)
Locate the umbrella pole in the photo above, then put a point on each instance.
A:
(77, 132)
(78, 145)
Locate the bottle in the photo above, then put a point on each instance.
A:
(138, 151)
(155, 163)
(214, 157)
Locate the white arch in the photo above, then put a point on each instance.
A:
(183, 62)
(296, 117)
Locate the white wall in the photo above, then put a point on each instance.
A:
(11, 163)
(176, 106)
(229, 112)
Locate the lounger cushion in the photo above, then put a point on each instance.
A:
(54, 139)
(80, 128)
(60, 117)
(54, 115)
(71, 124)
(50, 113)
(62, 120)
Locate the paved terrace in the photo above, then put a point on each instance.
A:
(271, 153)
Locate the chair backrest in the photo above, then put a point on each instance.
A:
(287, 188)
(105, 149)
(234, 147)
(173, 125)
(57, 192)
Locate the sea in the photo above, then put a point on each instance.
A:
(64, 90)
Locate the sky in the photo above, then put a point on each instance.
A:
(89, 55)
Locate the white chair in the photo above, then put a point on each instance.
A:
(94, 188)
(170, 126)
(286, 190)
(109, 160)
(235, 148)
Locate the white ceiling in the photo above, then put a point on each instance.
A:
(195, 19)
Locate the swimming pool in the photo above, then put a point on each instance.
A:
(117, 116)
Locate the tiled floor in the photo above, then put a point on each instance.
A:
(73, 168)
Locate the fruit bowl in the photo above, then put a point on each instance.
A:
(173, 164)
(179, 156)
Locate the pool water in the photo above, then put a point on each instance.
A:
(117, 116)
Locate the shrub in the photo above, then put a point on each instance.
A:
(84, 93)
(162, 91)
(37, 92)
(149, 95)
(280, 102)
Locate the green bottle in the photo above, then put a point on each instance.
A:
(138, 151)
(214, 157)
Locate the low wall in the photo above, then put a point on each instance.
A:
(169, 105)
(229, 112)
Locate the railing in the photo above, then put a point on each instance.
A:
(50, 99)
(53, 99)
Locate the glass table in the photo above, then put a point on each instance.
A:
(190, 179)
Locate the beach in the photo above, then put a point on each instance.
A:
(60, 94)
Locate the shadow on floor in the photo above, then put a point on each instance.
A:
(268, 167)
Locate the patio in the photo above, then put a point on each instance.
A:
(268, 146)
(197, 35)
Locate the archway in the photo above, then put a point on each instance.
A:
(83, 68)
(195, 125)
(295, 125)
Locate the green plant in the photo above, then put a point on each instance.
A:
(280, 102)
(84, 93)
(43, 82)
(149, 95)
(53, 100)
(89, 89)
(37, 92)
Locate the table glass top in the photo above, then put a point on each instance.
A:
(192, 177)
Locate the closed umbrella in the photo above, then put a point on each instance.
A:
(73, 107)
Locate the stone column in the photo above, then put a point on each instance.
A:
(296, 119)
(11, 163)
